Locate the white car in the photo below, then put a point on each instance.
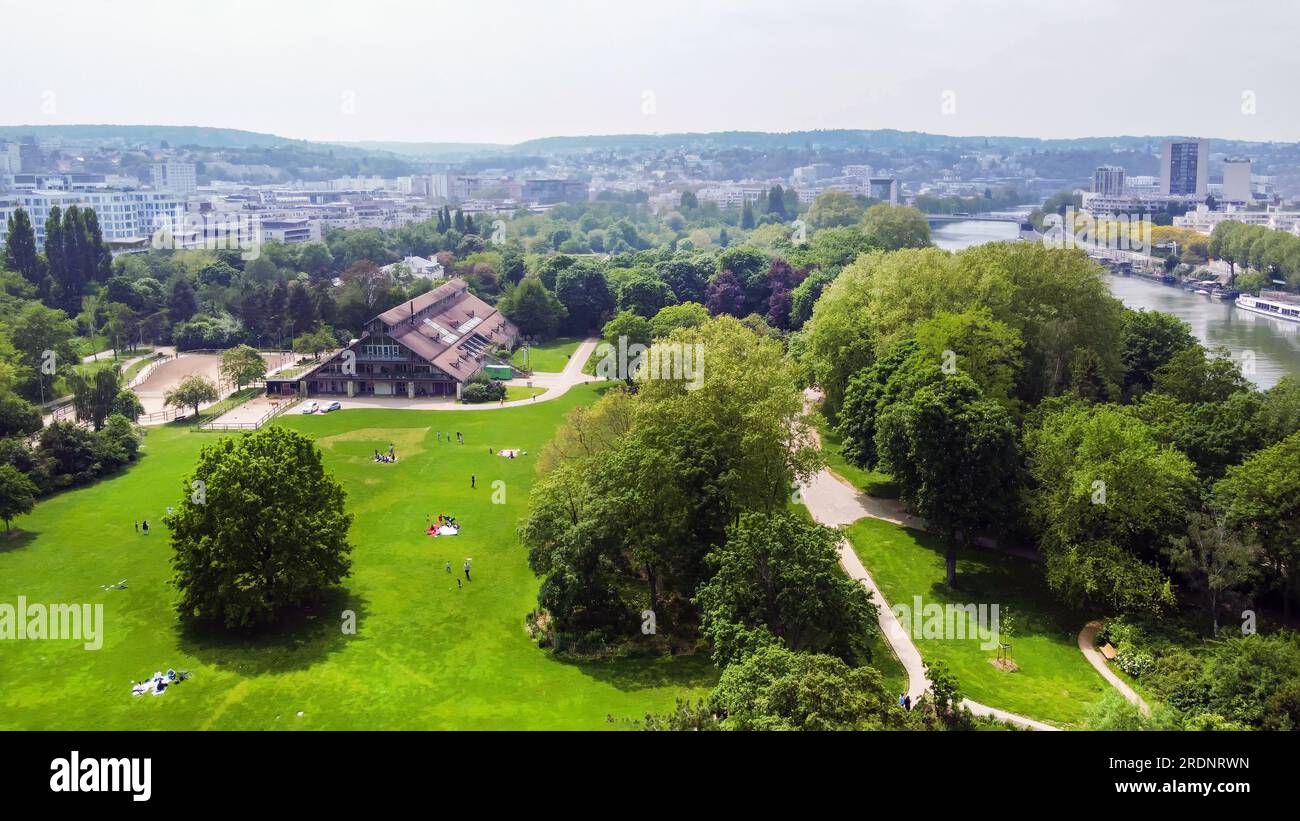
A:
(310, 407)
(333, 406)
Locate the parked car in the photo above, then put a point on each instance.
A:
(332, 407)
(310, 407)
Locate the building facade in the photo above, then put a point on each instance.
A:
(1185, 168)
(431, 346)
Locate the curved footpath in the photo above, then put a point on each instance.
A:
(834, 503)
(1088, 646)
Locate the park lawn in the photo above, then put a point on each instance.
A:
(514, 392)
(1054, 683)
(547, 357)
(870, 482)
(426, 654)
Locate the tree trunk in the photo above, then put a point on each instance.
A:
(654, 590)
(951, 561)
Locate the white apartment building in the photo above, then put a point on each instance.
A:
(1236, 180)
(175, 176)
(123, 215)
(1204, 220)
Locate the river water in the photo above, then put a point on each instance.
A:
(1267, 349)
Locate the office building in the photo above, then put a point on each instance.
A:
(1185, 168)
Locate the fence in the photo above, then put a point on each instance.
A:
(275, 410)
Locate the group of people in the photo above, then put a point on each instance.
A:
(905, 701)
(445, 526)
(142, 527)
(391, 456)
(459, 438)
(159, 683)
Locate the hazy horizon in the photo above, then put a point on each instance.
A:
(391, 71)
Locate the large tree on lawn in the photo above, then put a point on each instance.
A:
(954, 456)
(261, 528)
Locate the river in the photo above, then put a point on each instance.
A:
(1268, 349)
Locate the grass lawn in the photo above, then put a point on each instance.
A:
(514, 392)
(870, 482)
(425, 655)
(548, 357)
(1054, 683)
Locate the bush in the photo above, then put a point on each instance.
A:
(485, 391)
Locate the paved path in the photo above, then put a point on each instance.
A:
(555, 384)
(1088, 646)
(835, 503)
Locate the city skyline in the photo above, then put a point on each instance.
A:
(523, 71)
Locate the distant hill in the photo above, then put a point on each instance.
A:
(439, 152)
(175, 135)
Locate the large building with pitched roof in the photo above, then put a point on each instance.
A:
(430, 346)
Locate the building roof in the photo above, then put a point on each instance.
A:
(449, 327)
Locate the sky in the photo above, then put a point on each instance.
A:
(504, 71)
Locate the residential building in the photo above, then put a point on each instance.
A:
(175, 176)
(430, 346)
(1108, 180)
(1185, 168)
(1236, 180)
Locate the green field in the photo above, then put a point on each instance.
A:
(426, 654)
(1054, 683)
(514, 393)
(548, 357)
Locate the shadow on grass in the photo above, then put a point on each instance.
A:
(16, 539)
(300, 640)
(987, 576)
(632, 673)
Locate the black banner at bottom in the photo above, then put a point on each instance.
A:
(329, 769)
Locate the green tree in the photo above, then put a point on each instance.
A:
(636, 329)
(1260, 498)
(892, 227)
(835, 209)
(672, 317)
(261, 528)
(242, 365)
(1150, 340)
(93, 398)
(533, 308)
(778, 689)
(17, 494)
(954, 456)
(20, 248)
(192, 392)
(1107, 500)
(777, 578)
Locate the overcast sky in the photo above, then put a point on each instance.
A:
(510, 70)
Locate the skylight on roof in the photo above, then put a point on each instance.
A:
(445, 335)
